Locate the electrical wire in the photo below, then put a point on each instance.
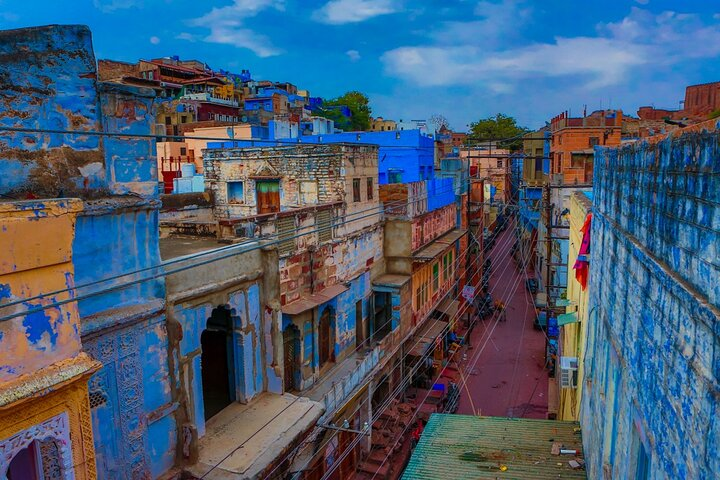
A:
(389, 356)
(380, 210)
(349, 448)
(478, 353)
(455, 265)
(257, 244)
(404, 382)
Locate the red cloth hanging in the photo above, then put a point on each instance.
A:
(582, 264)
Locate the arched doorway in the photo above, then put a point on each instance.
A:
(291, 355)
(327, 339)
(217, 362)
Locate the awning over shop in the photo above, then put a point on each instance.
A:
(304, 304)
(438, 246)
(449, 306)
(426, 337)
(391, 280)
(565, 318)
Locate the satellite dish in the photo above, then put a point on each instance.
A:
(244, 118)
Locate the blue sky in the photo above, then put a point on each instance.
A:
(462, 59)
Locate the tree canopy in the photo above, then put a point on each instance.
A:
(359, 106)
(498, 128)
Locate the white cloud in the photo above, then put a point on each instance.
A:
(154, 40)
(339, 12)
(226, 25)
(641, 38)
(109, 6)
(353, 55)
(187, 36)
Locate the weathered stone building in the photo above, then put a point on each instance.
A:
(119, 318)
(651, 405)
(320, 206)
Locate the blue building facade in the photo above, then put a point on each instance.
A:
(122, 319)
(403, 157)
(651, 401)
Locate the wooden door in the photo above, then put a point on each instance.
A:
(268, 196)
(347, 465)
(290, 339)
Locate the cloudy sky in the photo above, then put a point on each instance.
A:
(463, 59)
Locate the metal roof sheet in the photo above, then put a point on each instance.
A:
(469, 447)
(438, 246)
(427, 335)
(312, 301)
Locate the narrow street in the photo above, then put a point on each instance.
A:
(507, 377)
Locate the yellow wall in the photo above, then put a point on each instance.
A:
(425, 289)
(36, 244)
(43, 373)
(574, 335)
(71, 399)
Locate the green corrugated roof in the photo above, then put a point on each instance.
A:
(467, 447)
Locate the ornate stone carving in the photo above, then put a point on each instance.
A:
(57, 430)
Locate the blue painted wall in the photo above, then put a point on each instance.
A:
(529, 207)
(653, 358)
(440, 193)
(252, 373)
(407, 154)
(54, 86)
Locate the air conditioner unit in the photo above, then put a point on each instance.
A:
(246, 230)
(557, 178)
(568, 372)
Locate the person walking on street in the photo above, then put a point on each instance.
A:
(501, 310)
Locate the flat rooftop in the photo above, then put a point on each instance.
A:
(179, 246)
(469, 447)
(243, 441)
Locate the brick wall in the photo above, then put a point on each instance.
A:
(700, 100)
(430, 226)
(113, 70)
(653, 362)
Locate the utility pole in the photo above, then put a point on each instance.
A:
(551, 329)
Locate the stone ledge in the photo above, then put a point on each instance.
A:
(48, 379)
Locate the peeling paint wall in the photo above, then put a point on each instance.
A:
(308, 174)
(34, 264)
(247, 284)
(48, 81)
(333, 263)
(653, 362)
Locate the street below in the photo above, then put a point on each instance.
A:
(503, 368)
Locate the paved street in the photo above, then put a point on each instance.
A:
(508, 378)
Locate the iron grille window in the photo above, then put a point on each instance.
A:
(286, 231)
(97, 399)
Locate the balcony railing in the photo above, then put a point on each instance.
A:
(296, 229)
(208, 97)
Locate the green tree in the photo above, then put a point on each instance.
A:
(360, 111)
(501, 128)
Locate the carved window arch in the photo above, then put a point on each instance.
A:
(55, 448)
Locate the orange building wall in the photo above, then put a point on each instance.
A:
(568, 139)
